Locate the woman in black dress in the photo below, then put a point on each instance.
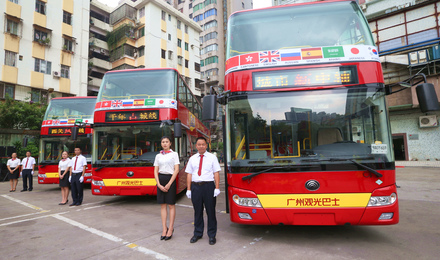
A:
(63, 167)
(166, 168)
(14, 171)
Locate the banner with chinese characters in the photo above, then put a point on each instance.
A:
(67, 122)
(301, 56)
(136, 104)
(128, 116)
(331, 200)
(65, 131)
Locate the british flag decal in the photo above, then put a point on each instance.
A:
(117, 103)
(269, 56)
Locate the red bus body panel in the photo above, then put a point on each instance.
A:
(131, 186)
(53, 168)
(293, 183)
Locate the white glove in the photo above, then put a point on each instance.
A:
(81, 179)
(70, 178)
(32, 172)
(216, 192)
(188, 194)
(21, 173)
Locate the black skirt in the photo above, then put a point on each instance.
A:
(64, 182)
(166, 197)
(15, 173)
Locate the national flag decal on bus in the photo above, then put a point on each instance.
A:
(116, 103)
(139, 102)
(127, 103)
(311, 53)
(269, 56)
(333, 52)
(287, 56)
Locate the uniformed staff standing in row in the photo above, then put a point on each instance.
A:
(78, 166)
(203, 183)
(27, 171)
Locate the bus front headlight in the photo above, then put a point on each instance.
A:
(246, 202)
(98, 183)
(382, 200)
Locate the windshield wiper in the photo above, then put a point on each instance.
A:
(250, 176)
(373, 171)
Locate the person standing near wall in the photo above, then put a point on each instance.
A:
(27, 170)
(14, 171)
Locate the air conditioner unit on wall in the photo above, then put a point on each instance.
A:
(56, 74)
(428, 121)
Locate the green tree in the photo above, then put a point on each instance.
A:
(16, 114)
(32, 146)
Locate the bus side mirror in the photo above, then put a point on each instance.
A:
(177, 130)
(75, 130)
(209, 108)
(427, 97)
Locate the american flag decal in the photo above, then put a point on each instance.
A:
(116, 103)
(269, 56)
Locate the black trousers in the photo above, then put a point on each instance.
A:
(202, 196)
(77, 188)
(27, 175)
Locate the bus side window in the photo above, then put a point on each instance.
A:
(182, 92)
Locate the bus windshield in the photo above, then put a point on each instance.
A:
(129, 144)
(52, 148)
(326, 24)
(302, 128)
(138, 84)
(70, 108)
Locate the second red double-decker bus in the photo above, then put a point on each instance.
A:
(61, 115)
(307, 130)
(135, 108)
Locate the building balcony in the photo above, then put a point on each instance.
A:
(96, 82)
(101, 63)
(100, 24)
(98, 43)
(211, 79)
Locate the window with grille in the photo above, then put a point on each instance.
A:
(11, 58)
(68, 45)
(12, 27)
(67, 18)
(7, 90)
(40, 7)
(65, 71)
(43, 66)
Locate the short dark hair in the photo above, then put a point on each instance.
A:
(78, 148)
(201, 138)
(28, 151)
(165, 137)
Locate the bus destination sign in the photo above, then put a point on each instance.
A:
(65, 131)
(128, 116)
(305, 77)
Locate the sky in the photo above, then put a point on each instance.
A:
(257, 3)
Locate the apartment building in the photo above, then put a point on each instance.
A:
(408, 39)
(43, 48)
(153, 34)
(212, 17)
(99, 56)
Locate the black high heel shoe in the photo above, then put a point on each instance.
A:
(163, 237)
(168, 238)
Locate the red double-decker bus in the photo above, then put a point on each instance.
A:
(307, 130)
(61, 115)
(135, 108)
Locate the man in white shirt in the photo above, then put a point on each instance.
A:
(78, 166)
(203, 183)
(27, 169)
